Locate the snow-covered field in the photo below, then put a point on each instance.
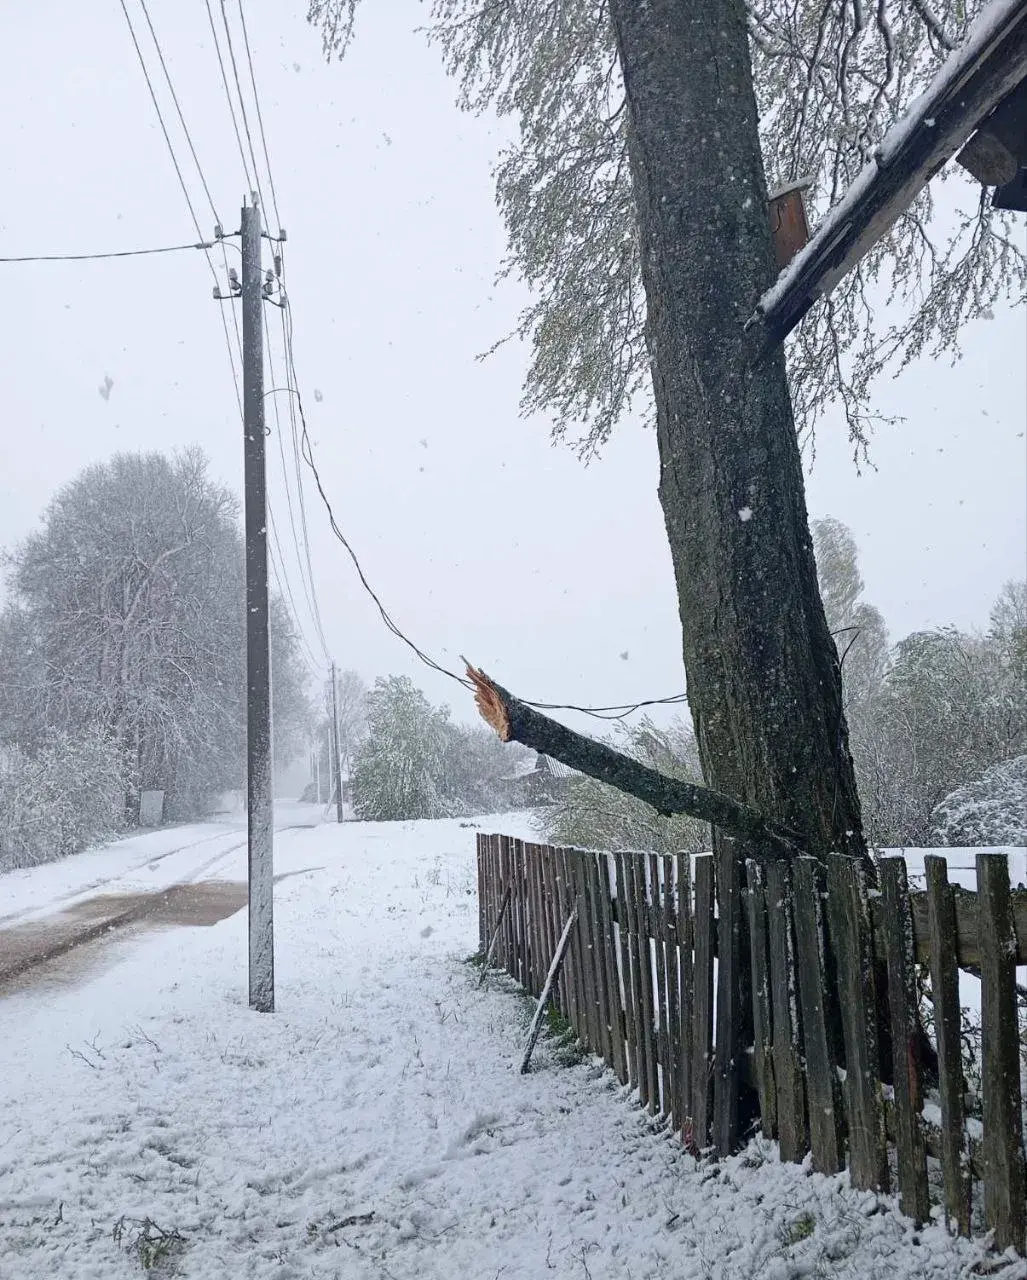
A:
(375, 1126)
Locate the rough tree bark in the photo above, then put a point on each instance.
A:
(764, 683)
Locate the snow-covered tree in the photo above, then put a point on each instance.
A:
(403, 768)
(65, 795)
(951, 706)
(414, 762)
(990, 811)
(860, 635)
(127, 616)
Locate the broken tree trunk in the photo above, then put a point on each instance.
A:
(515, 721)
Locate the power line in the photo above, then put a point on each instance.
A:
(178, 108)
(305, 445)
(228, 96)
(297, 464)
(611, 713)
(308, 588)
(115, 253)
(242, 102)
(167, 136)
(260, 115)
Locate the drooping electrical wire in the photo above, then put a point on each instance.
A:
(303, 441)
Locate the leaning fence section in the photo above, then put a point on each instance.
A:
(797, 991)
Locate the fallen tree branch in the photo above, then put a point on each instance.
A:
(514, 721)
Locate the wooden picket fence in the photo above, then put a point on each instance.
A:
(808, 966)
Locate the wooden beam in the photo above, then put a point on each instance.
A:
(998, 150)
(990, 65)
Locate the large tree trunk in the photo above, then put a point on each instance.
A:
(764, 683)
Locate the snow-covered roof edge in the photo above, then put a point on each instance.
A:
(932, 130)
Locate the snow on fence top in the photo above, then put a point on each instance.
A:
(979, 74)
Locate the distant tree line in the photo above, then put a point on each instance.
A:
(122, 656)
(937, 728)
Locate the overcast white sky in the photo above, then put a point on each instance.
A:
(481, 537)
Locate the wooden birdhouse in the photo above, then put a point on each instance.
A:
(788, 223)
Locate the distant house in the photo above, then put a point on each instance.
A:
(540, 780)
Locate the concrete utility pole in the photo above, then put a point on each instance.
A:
(259, 762)
(337, 755)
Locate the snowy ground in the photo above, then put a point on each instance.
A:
(375, 1126)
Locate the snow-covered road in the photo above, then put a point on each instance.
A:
(375, 1126)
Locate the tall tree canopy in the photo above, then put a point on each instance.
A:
(829, 80)
(127, 616)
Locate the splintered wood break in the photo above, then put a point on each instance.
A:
(490, 702)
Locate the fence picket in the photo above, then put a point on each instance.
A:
(702, 1006)
(902, 1003)
(615, 1005)
(573, 961)
(763, 1042)
(791, 1118)
(661, 1023)
(479, 858)
(686, 943)
(557, 903)
(821, 1077)
(850, 932)
(729, 1050)
(672, 1068)
(941, 927)
(625, 921)
(1005, 1182)
(603, 997)
(639, 971)
(649, 1014)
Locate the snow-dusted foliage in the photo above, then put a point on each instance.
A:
(990, 811)
(126, 618)
(69, 793)
(830, 82)
(591, 815)
(402, 768)
(416, 763)
(930, 716)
